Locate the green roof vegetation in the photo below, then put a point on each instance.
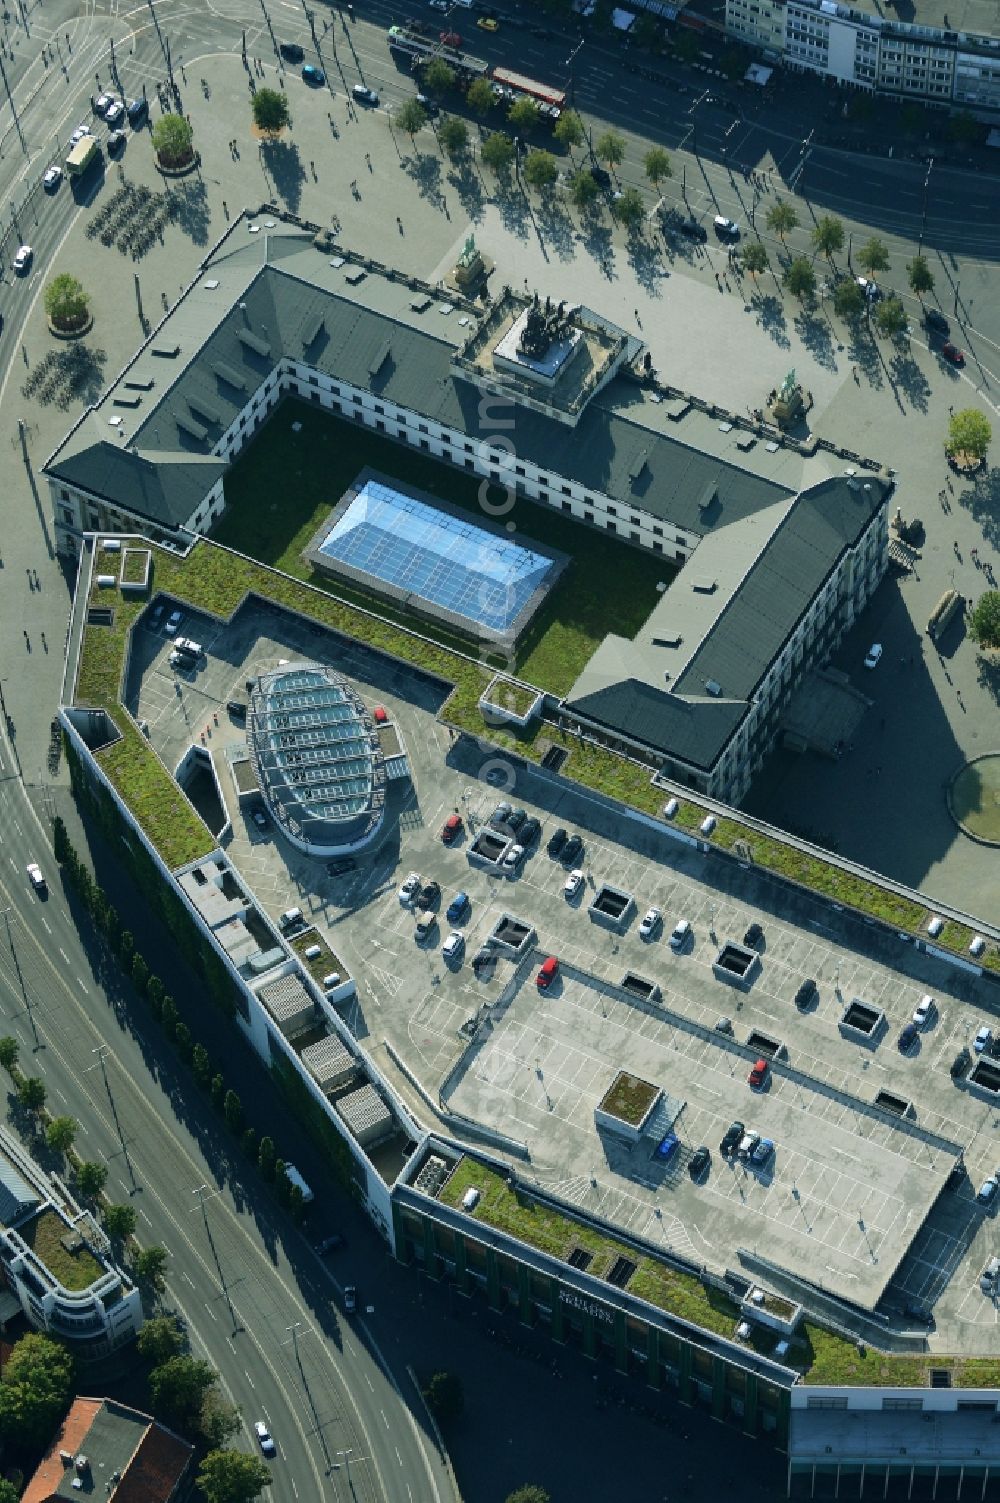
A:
(320, 965)
(507, 695)
(134, 565)
(44, 1234)
(629, 1098)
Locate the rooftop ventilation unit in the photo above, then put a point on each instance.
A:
(713, 687)
(704, 586)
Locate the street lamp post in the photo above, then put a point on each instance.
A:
(923, 211)
(101, 1052)
(24, 990)
(204, 1196)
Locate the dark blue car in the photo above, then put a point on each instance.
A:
(313, 75)
(458, 907)
(667, 1147)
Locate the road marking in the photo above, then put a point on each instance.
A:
(384, 1420)
(47, 927)
(211, 1312)
(62, 952)
(186, 1275)
(250, 1380)
(398, 1457)
(145, 1217)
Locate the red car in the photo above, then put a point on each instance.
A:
(451, 39)
(451, 829)
(380, 714)
(953, 353)
(758, 1074)
(548, 972)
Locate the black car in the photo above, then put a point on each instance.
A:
(805, 994)
(430, 109)
(529, 833)
(515, 819)
(137, 110)
(700, 1160)
(907, 1038)
(429, 896)
(116, 141)
(731, 1140)
(291, 52)
(340, 866)
(918, 1313)
(329, 1244)
(959, 1065)
(936, 320)
(484, 961)
(501, 814)
(601, 177)
(753, 936)
(572, 851)
(693, 230)
(556, 841)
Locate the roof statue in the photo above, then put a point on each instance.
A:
(788, 386)
(469, 252)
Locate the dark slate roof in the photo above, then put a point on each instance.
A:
(167, 490)
(693, 730)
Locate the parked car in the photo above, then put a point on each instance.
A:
(758, 1074)
(693, 230)
(936, 320)
(501, 813)
(667, 1147)
(515, 819)
(753, 936)
(959, 1065)
(79, 133)
(350, 1298)
(52, 178)
(116, 141)
(137, 111)
(453, 946)
(556, 841)
(699, 1162)
(409, 889)
(513, 857)
(732, 1138)
(952, 353)
(451, 829)
(529, 832)
(918, 1313)
(259, 818)
(988, 1189)
(747, 1144)
(572, 851)
(364, 95)
(264, 1440)
(114, 112)
(340, 866)
(102, 103)
(36, 876)
(313, 75)
(430, 895)
(573, 883)
(805, 994)
(329, 1244)
(291, 52)
(874, 654)
(871, 290)
(484, 960)
(651, 921)
(990, 1275)
(727, 229)
(173, 622)
(23, 259)
(923, 1012)
(762, 1152)
(907, 1038)
(458, 907)
(680, 935)
(547, 973)
(982, 1038)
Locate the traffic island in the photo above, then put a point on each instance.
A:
(70, 331)
(973, 798)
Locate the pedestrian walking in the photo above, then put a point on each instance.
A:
(369, 161)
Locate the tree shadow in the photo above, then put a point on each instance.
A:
(191, 211)
(981, 499)
(424, 170)
(863, 352)
(910, 378)
(468, 185)
(513, 207)
(814, 331)
(646, 262)
(988, 675)
(285, 169)
(556, 226)
(597, 240)
(769, 314)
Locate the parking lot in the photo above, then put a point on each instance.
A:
(847, 1187)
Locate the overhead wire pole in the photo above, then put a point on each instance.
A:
(295, 1328)
(17, 967)
(101, 1052)
(13, 108)
(203, 1199)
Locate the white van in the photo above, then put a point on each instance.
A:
(296, 1179)
(680, 935)
(291, 918)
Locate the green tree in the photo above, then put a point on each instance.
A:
(296, 1204)
(155, 990)
(160, 1339)
(481, 98)
(266, 1158)
(66, 303)
(685, 46)
(569, 130)
(232, 1108)
(271, 114)
(583, 189)
(91, 1179)
(921, 277)
(523, 115)
(873, 256)
(150, 1266)
(828, 235)
(438, 77)
(540, 169)
(984, 622)
(8, 1492)
(754, 257)
(848, 299)
(497, 151)
(645, 32)
(656, 165)
(445, 1396)
(183, 1041)
(126, 941)
(60, 1133)
(282, 1183)
(781, 218)
(531, 1493)
(169, 1016)
(61, 846)
(35, 1389)
(891, 318)
(411, 116)
(610, 148)
(454, 136)
(9, 1051)
(31, 1093)
(630, 208)
(173, 141)
(964, 129)
(219, 1420)
(140, 972)
(178, 1388)
(218, 1090)
(232, 1477)
(119, 1222)
(799, 277)
(969, 432)
(250, 1142)
(201, 1064)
